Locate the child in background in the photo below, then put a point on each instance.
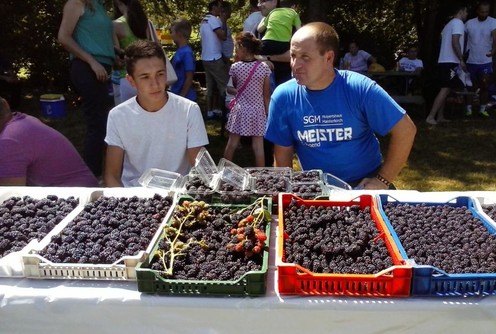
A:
(248, 116)
(183, 60)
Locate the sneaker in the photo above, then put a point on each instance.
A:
(210, 115)
(468, 113)
(484, 113)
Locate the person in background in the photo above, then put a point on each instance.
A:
(155, 129)
(34, 154)
(10, 84)
(183, 60)
(277, 28)
(212, 34)
(130, 24)
(251, 22)
(410, 63)
(481, 44)
(86, 32)
(329, 117)
(450, 58)
(251, 86)
(357, 60)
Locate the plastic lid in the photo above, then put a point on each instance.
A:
(158, 178)
(336, 182)
(233, 174)
(205, 166)
(52, 97)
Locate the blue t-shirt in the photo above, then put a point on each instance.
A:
(333, 129)
(183, 61)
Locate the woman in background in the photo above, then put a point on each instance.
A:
(86, 32)
(130, 24)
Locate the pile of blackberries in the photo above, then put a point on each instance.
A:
(333, 239)
(490, 210)
(307, 176)
(108, 229)
(271, 184)
(195, 187)
(24, 219)
(446, 237)
(307, 190)
(206, 244)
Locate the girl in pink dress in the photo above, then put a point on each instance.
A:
(251, 85)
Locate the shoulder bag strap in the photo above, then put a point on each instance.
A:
(242, 88)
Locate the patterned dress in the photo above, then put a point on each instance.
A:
(247, 117)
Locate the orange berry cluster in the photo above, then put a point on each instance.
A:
(248, 238)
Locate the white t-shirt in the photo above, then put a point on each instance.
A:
(211, 44)
(358, 62)
(447, 54)
(410, 65)
(480, 39)
(252, 21)
(155, 139)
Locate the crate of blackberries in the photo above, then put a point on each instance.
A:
(451, 245)
(107, 238)
(270, 181)
(210, 249)
(329, 247)
(25, 219)
(309, 184)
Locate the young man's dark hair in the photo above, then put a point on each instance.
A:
(142, 49)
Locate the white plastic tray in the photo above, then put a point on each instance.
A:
(11, 264)
(36, 266)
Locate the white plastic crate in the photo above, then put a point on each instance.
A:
(36, 266)
(11, 264)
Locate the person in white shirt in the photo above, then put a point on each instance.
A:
(410, 63)
(450, 58)
(155, 129)
(252, 21)
(357, 60)
(212, 35)
(481, 43)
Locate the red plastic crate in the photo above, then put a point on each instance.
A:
(296, 280)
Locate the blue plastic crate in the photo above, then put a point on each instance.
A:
(431, 281)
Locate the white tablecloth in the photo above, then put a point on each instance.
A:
(73, 306)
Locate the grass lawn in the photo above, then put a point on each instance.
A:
(455, 156)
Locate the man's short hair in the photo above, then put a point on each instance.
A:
(213, 4)
(326, 37)
(183, 27)
(140, 49)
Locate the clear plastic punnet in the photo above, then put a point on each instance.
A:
(206, 167)
(234, 175)
(159, 178)
(334, 182)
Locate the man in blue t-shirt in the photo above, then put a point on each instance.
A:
(329, 117)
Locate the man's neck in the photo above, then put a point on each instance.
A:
(151, 106)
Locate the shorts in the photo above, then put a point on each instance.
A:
(447, 76)
(477, 71)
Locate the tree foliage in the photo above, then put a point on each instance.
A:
(382, 27)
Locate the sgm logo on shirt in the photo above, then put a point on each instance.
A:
(311, 119)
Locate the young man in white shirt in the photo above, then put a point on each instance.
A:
(481, 43)
(450, 58)
(155, 129)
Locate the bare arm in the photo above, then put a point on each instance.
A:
(266, 94)
(283, 156)
(400, 144)
(188, 81)
(493, 50)
(192, 152)
(455, 44)
(221, 34)
(13, 181)
(73, 9)
(261, 26)
(113, 166)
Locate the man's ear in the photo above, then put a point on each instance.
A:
(330, 56)
(131, 80)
